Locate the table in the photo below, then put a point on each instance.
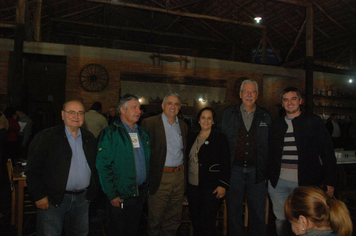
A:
(20, 180)
(344, 165)
(342, 159)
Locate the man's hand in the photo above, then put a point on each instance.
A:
(116, 202)
(42, 203)
(330, 190)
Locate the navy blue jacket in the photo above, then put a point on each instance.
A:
(314, 146)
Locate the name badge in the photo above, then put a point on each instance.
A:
(134, 140)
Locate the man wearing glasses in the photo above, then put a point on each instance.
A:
(246, 128)
(61, 174)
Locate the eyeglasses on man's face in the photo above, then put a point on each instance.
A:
(249, 91)
(73, 113)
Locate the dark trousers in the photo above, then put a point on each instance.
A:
(126, 220)
(203, 208)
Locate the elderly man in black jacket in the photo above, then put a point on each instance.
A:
(61, 174)
(246, 128)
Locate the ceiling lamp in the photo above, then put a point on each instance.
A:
(258, 19)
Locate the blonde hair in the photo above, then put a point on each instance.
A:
(316, 206)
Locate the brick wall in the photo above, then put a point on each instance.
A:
(110, 95)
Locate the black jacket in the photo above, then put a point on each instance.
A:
(229, 124)
(214, 162)
(314, 146)
(49, 160)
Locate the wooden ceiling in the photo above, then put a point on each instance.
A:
(221, 29)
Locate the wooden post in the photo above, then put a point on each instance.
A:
(309, 61)
(37, 22)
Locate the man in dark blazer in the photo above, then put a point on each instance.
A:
(61, 174)
(168, 147)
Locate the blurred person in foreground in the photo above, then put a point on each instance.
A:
(123, 165)
(208, 173)
(61, 174)
(312, 212)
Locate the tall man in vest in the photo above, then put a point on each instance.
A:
(246, 128)
(300, 153)
(168, 144)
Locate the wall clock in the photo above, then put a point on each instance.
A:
(94, 78)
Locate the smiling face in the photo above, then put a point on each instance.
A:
(131, 113)
(291, 103)
(75, 120)
(206, 120)
(249, 94)
(171, 107)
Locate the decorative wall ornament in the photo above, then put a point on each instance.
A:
(94, 78)
(179, 59)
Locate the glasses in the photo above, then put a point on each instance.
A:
(249, 91)
(73, 113)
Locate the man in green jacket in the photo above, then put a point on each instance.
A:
(123, 167)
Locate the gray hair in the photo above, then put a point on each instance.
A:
(124, 100)
(248, 81)
(171, 94)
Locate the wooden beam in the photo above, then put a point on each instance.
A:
(257, 49)
(187, 4)
(141, 30)
(264, 47)
(294, 2)
(274, 50)
(20, 11)
(295, 41)
(7, 25)
(178, 13)
(309, 32)
(309, 61)
(37, 22)
(328, 16)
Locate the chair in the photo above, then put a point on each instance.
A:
(10, 171)
(29, 207)
(222, 216)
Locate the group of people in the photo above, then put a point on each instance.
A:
(158, 161)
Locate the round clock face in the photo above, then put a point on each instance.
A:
(94, 78)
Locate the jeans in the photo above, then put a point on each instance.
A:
(126, 220)
(243, 181)
(203, 207)
(73, 213)
(278, 196)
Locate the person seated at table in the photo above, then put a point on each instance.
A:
(311, 212)
(208, 172)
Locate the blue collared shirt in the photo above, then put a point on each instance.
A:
(139, 156)
(79, 172)
(174, 140)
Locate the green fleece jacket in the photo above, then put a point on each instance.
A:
(116, 163)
